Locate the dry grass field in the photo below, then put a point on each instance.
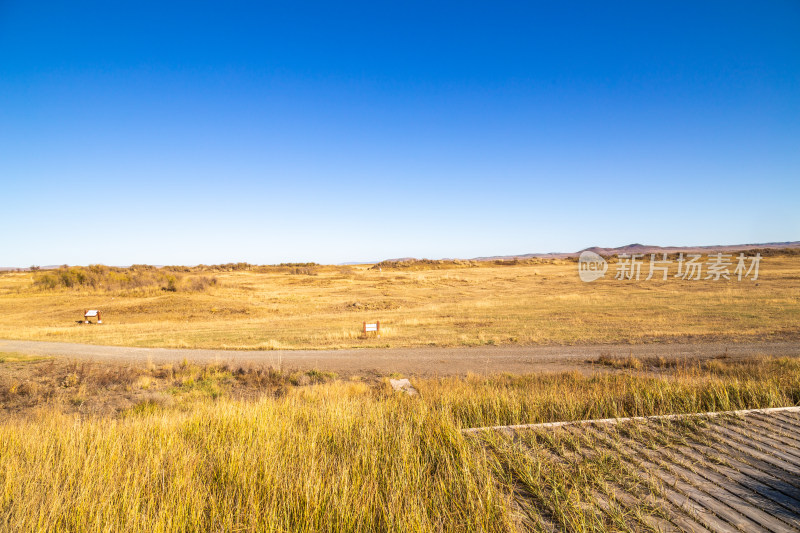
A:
(98, 447)
(424, 304)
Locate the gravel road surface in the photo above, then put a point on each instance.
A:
(426, 361)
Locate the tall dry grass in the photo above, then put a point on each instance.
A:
(327, 459)
(343, 456)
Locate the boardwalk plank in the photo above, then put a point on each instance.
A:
(775, 476)
(789, 419)
(773, 501)
(702, 507)
(630, 501)
(736, 441)
(737, 472)
(742, 499)
(778, 431)
(754, 521)
(746, 475)
(779, 448)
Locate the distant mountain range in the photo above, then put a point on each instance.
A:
(635, 248)
(645, 249)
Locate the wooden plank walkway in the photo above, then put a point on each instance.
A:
(719, 472)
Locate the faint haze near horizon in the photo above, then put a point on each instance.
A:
(199, 133)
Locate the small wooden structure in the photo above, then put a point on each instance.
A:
(90, 313)
(372, 327)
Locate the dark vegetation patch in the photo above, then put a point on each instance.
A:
(423, 264)
(309, 269)
(95, 388)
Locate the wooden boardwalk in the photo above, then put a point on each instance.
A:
(716, 472)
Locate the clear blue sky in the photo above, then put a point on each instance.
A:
(181, 133)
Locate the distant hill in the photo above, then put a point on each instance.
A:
(645, 249)
(26, 269)
(637, 248)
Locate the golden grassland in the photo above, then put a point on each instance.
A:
(335, 454)
(464, 304)
(88, 446)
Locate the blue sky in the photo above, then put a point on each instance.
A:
(199, 132)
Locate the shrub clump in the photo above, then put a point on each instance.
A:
(422, 264)
(101, 277)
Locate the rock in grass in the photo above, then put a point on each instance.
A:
(403, 385)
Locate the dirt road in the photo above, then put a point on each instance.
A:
(408, 361)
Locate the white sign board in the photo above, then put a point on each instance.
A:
(370, 327)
